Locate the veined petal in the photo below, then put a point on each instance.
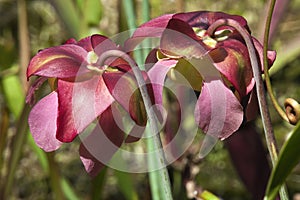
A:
(42, 122)
(218, 112)
(179, 40)
(231, 58)
(97, 149)
(59, 62)
(79, 104)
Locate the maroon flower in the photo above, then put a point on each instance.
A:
(218, 66)
(83, 91)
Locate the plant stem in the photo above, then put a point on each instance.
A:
(131, 20)
(19, 139)
(55, 178)
(263, 106)
(163, 182)
(283, 191)
(266, 70)
(24, 48)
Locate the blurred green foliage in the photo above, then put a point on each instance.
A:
(51, 23)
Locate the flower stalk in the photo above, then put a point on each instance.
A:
(292, 108)
(263, 106)
(155, 144)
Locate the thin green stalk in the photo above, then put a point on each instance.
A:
(155, 142)
(131, 20)
(19, 140)
(55, 178)
(263, 106)
(283, 191)
(24, 47)
(265, 56)
(146, 17)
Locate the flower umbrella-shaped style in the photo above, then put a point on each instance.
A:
(83, 90)
(218, 66)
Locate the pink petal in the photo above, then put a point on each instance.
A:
(97, 149)
(124, 89)
(42, 122)
(84, 43)
(152, 28)
(35, 86)
(157, 75)
(59, 62)
(231, 58)
(79, 104)
(179, 40)
(218, 112)
(101, 44)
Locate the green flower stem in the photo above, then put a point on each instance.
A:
(18, 141)
(156, 144)
(283, 190)
(55, 178)
(263, 106)
(24, 47)
(266, 70)
(131, 20)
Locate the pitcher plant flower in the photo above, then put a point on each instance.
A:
(83, 91)
(216, 65)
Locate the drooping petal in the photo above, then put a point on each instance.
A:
(79, 104)
(42, 122)
(179, 40)
(218, 112)
(231, 58)
(97, 149)
(59, 62)
(124, 89)
(248, 155)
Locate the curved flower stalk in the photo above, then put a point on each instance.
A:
(83, 90)
(217, 66)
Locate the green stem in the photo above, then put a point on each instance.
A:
(283, 191)
(131, 20)
(55, 178)
(19, 140)
(263, 106)
(155, 143)
(265, 56)
(24, 47)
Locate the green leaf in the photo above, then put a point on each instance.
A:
(289, 157)
(14, 94)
